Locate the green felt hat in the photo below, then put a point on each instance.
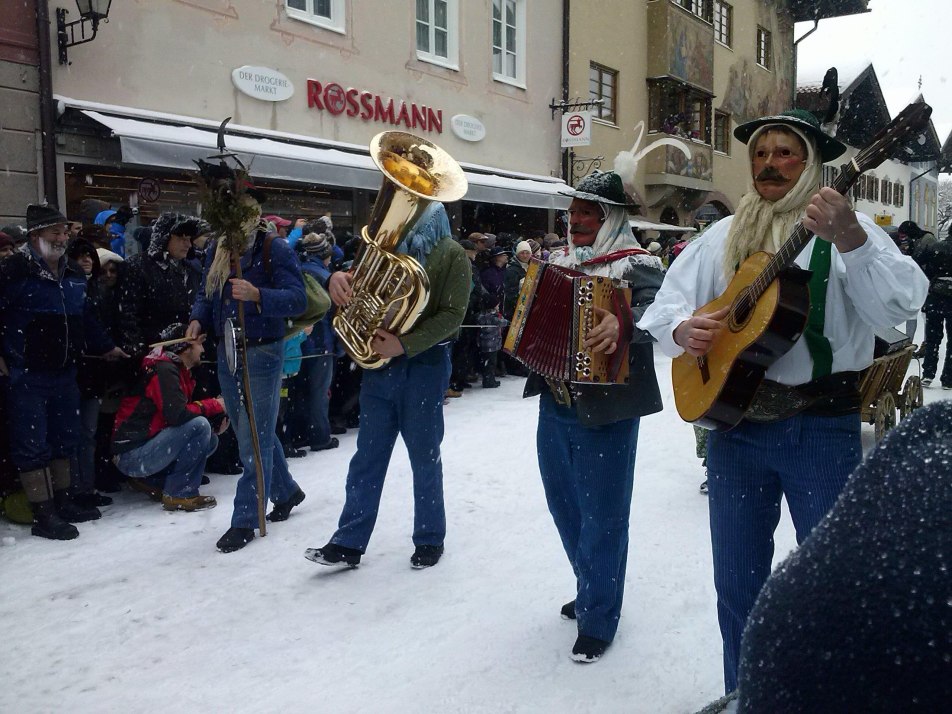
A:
(601, 187)
(803, 120)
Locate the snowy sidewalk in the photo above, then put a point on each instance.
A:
(142, 614)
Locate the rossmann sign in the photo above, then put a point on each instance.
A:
(335, 99)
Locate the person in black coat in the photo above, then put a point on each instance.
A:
(936, 263)
(859, 617)
(160, 285)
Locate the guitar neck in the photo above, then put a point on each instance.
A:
(792, 247)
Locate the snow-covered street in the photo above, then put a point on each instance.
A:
(142, 614)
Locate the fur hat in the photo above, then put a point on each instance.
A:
(39, 217)
(803, 120)
(317, 244)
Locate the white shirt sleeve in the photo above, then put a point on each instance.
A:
(886, 287)
(694, 279)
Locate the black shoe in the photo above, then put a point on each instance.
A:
(235, 539)
(333, 554)
(72, 512)
(205, 480)
(703, 488)
(48, 524)
(490, 383)
(294, 453)
(332, 443)
(338, 430)
(426, 556)
(282, 510)
(588, 649)
(568, 611)
(91, 500)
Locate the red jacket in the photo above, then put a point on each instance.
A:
(162, 398)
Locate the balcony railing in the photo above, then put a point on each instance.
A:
(670, 167)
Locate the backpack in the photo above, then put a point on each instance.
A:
(318, 301)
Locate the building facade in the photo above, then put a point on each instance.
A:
(307, 84)
(693, 69)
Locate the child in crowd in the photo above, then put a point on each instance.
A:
(292, 365)
(491, 323)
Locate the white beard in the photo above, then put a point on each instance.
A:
(50, 251)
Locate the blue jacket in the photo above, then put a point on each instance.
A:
(282, 294)
(323, 339)
(46, 322)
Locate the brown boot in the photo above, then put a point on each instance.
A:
(188, 503)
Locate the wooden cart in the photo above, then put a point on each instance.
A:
(884, 398)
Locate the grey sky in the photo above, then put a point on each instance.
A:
(904, 39)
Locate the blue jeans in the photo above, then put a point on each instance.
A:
(806, 459)
(44, 416)
(264, 365)
(588, 473)
(319, 373)
(183, 449)
(405, 398)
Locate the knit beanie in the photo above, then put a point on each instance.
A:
(6, 241)
(317, 244)
(523, 245)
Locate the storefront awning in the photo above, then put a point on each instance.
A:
(176, 146)
(644, 225)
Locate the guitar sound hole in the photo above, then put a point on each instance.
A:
(740, 312)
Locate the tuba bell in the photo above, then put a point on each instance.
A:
(390, 289)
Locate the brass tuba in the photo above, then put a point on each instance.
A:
(391, 289)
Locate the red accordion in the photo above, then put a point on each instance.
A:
(554, 313)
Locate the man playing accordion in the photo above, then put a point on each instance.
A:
(588, 433)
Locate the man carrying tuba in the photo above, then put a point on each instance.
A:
(405, 397)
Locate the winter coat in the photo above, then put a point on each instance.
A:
(515, 272)
(45, 320)
(162, 398)
(155, 292)
(490, 331)
(95, 376)
(292, 354)
(936, 263)
(598, 405)
(449, 272)
(323, 339)
(282, 294)
(858, 618)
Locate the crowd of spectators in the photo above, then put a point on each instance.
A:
(141, 282)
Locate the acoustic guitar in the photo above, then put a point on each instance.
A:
(769, 302)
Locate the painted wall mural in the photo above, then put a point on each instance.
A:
(699, 166)
(753, 91)
(690, 49)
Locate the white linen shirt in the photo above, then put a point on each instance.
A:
(871, 286)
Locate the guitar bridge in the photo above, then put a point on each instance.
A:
(705, 371)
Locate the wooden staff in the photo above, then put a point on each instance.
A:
(249, 408)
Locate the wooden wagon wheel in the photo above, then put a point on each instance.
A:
(885, 414)
(911, 396)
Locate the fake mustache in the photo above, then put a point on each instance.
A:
(770, 173)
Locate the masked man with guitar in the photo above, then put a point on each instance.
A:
(798, 435)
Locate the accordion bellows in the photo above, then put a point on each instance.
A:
(554, 313)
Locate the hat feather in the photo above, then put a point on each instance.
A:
(626, 162)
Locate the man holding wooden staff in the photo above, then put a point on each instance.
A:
(800, 438)
(271, 295)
